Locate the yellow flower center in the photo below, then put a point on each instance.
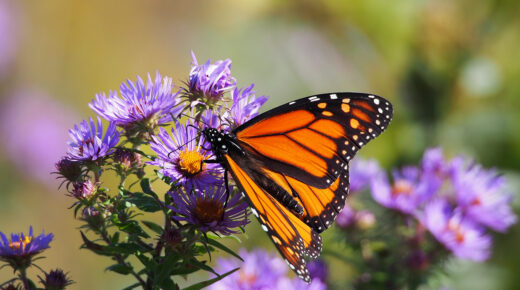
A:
(208, 211)
(22, 243)
(402, 187)
(190, 162)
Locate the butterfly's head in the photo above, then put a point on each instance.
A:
(221, 142)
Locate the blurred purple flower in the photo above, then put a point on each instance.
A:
(361, 172)
(408, 191)
(26, 116)
(142, 105)
(19, 251)
(346, 217)
(260, 270)
(460, 235)
(245, 106)
(285, 283)
(88, 143)
(210, 80)
(433, 162)
(180, 157)
(207, 210)
(318, 269)
(8, 34)
(480, 194)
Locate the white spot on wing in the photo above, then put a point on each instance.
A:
(376, 101)
(333, 96)
(292, 103)
(254, 212)
(264, 228)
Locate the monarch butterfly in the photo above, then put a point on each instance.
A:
(291, 164)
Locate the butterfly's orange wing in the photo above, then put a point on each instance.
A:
(321, 206)
(312, 139)
(291, 236)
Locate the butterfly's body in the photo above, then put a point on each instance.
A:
(223, 143)
(291, 163)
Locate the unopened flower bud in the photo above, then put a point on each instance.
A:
(55, 280)
(365, 219)
(83, 189)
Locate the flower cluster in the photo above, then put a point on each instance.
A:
(20, 252)
(458, 202)
(262, 270)
(153, 134)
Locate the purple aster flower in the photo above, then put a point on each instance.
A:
(140, 105)
(210, 80)
(460, 235)
(346, 217)
(88, 143)
(245, 106)
(34, 132)
(361, 172)
(480, 194)
(207, 209)
(55, 280)
(180, 157)
(260, 270)
(19, 251)
(408, 191)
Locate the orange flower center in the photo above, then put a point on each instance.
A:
(402, 187)
(21, 244)
(247, 279)
(190, 162)
(208, 211)
(457, 231)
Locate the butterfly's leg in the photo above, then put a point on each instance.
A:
(226, 182)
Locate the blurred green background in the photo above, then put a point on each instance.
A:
(451, 69)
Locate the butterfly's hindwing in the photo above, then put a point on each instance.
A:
(293, 238)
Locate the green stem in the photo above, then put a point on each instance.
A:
(23, 277)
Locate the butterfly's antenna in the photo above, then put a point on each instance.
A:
(178, 148)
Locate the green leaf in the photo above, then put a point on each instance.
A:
(120, 269)
(164, 269)
(223, 248)
(215, 237)
(144, 202)
(147, 188)
(204, 284)
(131, 227)
(132, 286)
(202, 266)
(153, 226)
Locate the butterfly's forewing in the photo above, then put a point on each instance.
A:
(312, 139)
(292, 237)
